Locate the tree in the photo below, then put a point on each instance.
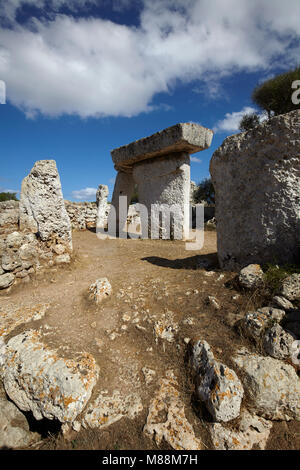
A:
(205, 192)
(8, 197)
(275, 95)
(249, 121)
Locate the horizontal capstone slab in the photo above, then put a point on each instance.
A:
(181, 138)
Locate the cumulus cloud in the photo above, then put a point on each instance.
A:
(95, 67)
(232, 120)
(195, 159)
(84, 194)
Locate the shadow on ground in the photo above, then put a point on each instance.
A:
(209, 262)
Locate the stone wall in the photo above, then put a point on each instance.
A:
(9, 216)
(256, 176)
(83, 215)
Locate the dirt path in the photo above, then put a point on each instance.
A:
(159, 300)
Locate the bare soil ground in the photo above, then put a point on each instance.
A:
(153, 281)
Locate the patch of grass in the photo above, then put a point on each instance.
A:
(274, 276)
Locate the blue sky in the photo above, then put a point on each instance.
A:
(83, 77)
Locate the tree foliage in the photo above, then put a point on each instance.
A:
(249, 121)
(8, 197)
(205, 192)
(275, 95)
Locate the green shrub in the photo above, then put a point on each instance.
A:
(8, 197)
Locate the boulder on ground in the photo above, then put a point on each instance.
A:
(6, 280)
(278, 343)
(166, 418)
(291, 287)
(251, 276)
(216, 385)
(250, 431)
(273, 387)
(255, 323)
(36, 379)
(100, 289)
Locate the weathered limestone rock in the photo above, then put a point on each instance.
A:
(281, 302)
(12, 315)
(273, 386)
(6, 280)
(256, 176)
(181, 138)
(252, 430)
(160, 166)
(100, 289)
(251, 276)
(14, 428)
(42, 208)
(9, 216)
(101, 200)
(254, 324)
(291, 287)
(36, 379)
(166, 418)
(278, 343)
(216, 385)
(106, 410)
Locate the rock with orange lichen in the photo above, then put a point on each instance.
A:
(272, 386)
(251, 430)
(107, 409)
(216, 385)
(166, 418)
(36, 379)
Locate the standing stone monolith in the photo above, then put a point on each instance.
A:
(160, 167)
(42, 208)
(101, 200)
(256, 176)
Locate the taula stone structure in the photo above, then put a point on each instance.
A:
(256, 176)
(42, 208)
(160, 167)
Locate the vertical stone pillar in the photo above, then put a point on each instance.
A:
(164, 189)
(42, 207)
(124, 186)
(256, 176)
(101, 200)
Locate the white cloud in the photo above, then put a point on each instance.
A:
(195, 159)
(231, 122)
(84, 194)
(94, 67)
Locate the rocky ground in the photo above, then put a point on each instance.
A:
(133, 353)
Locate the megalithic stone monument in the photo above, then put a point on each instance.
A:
(160, 167)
